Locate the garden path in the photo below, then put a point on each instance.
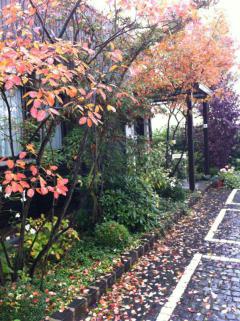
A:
(191, 275)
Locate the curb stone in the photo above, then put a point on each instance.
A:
(78, 308)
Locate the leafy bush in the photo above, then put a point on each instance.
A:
(112, 234)
(22, 301)
(175, 192)
(230, 176)
(38, 233)
(132, 202)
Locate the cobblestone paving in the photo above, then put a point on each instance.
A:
(141, 293)
(229, 228)
(213, 293)
(236, 198)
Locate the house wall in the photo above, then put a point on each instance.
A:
(14, 100)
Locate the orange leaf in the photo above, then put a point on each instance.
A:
(89, 122)
(50, 98)
(82, 120)
(10, 164)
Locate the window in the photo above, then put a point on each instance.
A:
(14, 99)
(56, 141)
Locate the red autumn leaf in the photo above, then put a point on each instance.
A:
(22, 155)
(50, 98)
(10, 164)
(15, 187)
(44, 190)
(21, 164)
(21, 68)
(48, 172)
(20, 176)
(72, 92)
(9, 85)
(16, 80)
(89, 122)
(6, 182)
(32, 94)
(82, 120)
(9, 175)
(24, 184)
(41, 115)
(53, 168)
(34, 112)
(30, 193)
(34, 170)
(37, 103)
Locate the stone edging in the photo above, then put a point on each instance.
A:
(78, 308)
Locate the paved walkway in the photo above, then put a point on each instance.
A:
(191, 275)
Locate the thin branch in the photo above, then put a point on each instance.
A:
(68, 199)
(37, 130)
(41, 22)
(110, 39)
(69, 18)
(44, 142)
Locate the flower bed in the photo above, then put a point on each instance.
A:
(80, 278)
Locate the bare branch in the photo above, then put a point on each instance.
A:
(69, 18)
(41, 22)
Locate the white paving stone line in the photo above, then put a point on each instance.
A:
(214, 227)
(224, 241)
(168, 308)
(231, 197)
(221, 258)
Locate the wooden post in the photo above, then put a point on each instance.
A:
(190, 143)
(205, 136)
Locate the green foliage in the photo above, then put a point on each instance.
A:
(83, 263)
(112, 234)
(230, 177)
(132, 203)
(174, 192)
(22, 301)
(71, 145)
(6, 269)
(213, 171)
(38, 233)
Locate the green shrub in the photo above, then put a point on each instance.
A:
(133, 204)
(112, 234)
(176, 193)
(231, 177)
(38, 232)
(22, 301)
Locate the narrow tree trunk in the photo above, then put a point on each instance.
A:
(53, 236)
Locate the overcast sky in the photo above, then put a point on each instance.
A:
(232, 11)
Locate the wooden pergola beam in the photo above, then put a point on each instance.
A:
(199, 91)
